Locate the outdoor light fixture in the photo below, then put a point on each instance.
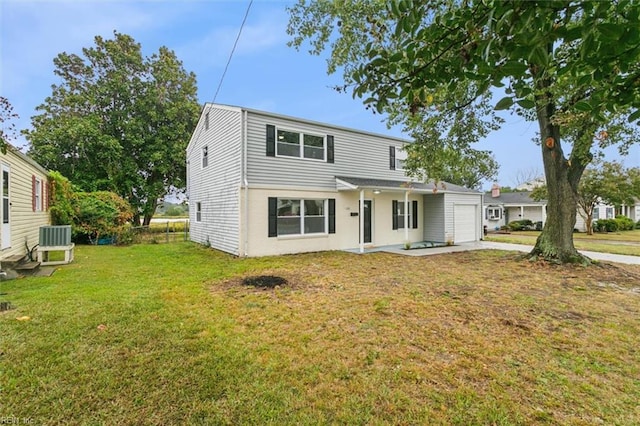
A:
(376, 191)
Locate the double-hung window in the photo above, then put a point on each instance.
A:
(293, 216)
(37, 195)
(399, 212)
(198, 212)
(397, 157)
(205, 156)
(494, 213)
(301, 145)
(301, 216)
(610, 213)
(596, 213)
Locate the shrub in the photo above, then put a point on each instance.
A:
(100, 213)
(605, 225)
(174, 211)
(61, 197)
(638, 225)
(521, 225)
(624, 223)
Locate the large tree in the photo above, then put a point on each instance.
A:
(551, 60)
(7, 126)
(118, 121)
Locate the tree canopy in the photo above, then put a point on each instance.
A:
(7, 126)
(118, 121)
(556, 62)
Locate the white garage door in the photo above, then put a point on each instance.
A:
(465, 220)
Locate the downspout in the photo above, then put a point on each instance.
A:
(406, 216)
(245, 184)
(361, 214)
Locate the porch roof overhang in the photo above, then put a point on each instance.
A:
(344, 183)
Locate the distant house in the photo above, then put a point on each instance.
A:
(24, 206)
(502, 208)
(261, 183)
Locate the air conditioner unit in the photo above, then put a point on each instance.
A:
(55, 236)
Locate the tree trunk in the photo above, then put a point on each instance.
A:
(555, 243)
(588, 222)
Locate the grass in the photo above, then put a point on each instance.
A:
(165, 334)
(626, 242)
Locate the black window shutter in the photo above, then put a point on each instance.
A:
(414, 207)
(273, 217)
(392, 158)
(330, 157)
(394, 208)
(332, 215)
(271, 140)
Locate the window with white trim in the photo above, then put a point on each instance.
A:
(300, 216)
(610, 212)
(198, 212)
(401, 156)
(494, 213)
(205, 156)
(206, 121)
(38, 195)
(301, 145)
(401, 213)
(596, 214)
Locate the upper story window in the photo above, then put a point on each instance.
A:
(206, 121)
(290, 143)
(397, 157)
(205, 156)
(295, 144)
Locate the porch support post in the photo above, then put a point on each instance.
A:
(406, 216)
(544, 214)
(361, 215)
(521, 212)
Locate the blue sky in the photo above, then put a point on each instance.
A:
(264, 73)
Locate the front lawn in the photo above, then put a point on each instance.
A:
(625, 242)
(168, 334)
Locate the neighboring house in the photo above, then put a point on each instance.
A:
(502, 208)
(24, 203)
(261, 184)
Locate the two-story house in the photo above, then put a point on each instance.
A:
(260, 183)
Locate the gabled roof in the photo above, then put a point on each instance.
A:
(354, 183)
(512, 198)
(26, 158)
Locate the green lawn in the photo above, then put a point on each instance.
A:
(167, 334)
(626, 242)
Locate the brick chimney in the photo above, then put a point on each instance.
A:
(495, 190)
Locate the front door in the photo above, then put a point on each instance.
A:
(6, 208)
(367, 221)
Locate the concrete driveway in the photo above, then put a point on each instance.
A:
(490, 245)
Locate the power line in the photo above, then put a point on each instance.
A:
(233, 50)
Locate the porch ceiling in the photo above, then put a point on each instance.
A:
(345, 183)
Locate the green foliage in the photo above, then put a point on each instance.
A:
(7, 126)
(100, 213)
(572, 66)
(624, 223)
(606, 225)
(118, 121)
(638, 225)
(521, 225)
(61, 200)
(174, 211)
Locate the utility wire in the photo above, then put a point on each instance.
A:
(232, 50)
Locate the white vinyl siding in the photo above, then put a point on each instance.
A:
(357, 154)
(450, 202)
(217, 186)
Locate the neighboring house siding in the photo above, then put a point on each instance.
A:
(357, 154)
(217, 186)
(433, 220)
(25, 223)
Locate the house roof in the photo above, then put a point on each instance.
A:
(353, 183)
(26, 158)
(512, 198)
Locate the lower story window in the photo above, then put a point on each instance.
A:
(299, 216)
(494, 213)
(198, 212)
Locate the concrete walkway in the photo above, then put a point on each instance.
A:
(490, 245)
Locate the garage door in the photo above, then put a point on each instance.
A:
(465, 220)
